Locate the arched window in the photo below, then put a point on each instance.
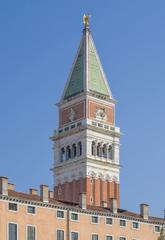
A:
(99, 150)
(68, 153)
(63, 157)
(93, 150)
(74, 151)
(104, 151)
(110, 152)
(79, 148)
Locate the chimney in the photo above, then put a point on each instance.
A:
(104, 204)
(144, 211)
(113, 205)
(51, 194)
(4, 185)
(44, 193)
(83, 200)
(11, 186)
(33, 191)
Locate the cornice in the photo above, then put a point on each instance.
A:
(79, 210)
(112, 133)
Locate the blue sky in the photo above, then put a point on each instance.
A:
(38, 42)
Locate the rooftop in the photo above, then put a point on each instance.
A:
(37, 200)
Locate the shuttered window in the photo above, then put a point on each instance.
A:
(74, 235)
(12, 228)
(60, 235)
(31, 233)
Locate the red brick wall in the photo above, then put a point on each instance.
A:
(97, 192)
(97, 189)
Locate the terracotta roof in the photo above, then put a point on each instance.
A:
(33, 197)
(100, 210)
(125, 213)
(24, 196)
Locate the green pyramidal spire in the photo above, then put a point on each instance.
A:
(87, 74)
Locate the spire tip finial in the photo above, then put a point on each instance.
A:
(86, 20)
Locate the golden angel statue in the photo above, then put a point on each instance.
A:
(86, 20)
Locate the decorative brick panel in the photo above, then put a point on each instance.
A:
(78, 109)
(109, 110)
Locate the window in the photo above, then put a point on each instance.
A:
(74, 150)
(104, 151)
(95, 219)
(122, 238)
(63, 156)
(12, 231)
(157, 229)
(99, 150)
(31, 233)
(74, 235)
(109, 221)
(91, 198)
(13, 207)
(60, 214)
(60, 235)
(74, 216)
(67, 128)
(122, 224)
(79, 124)
(135, 225)
(93, 148)
(94, 123)
(68, 153)
(79, 148)
(72, 126)
(109, 238)
(95, 237)
(31, 209)
(110, 152)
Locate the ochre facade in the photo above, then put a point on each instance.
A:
(46, 221)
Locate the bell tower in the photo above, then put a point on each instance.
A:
(86, 143)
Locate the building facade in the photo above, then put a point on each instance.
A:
(85, 201)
